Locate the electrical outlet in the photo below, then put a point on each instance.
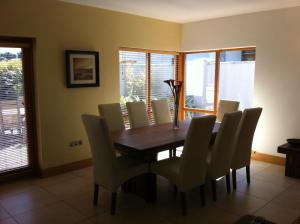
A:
(75, 143)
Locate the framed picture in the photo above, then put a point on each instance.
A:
(82, 68)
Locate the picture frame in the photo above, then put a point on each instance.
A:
(82, 69)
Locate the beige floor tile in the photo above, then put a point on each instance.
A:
(67, 198)
(240, 203)
(255, 167)
(28, 200)
(126, 219)
(50, 181)
(278, 214)
(84, 204)
(3, 214)
(289, 199)
(71, 188)
(8, 221)
(295, 186)
(58, 213)
(16, 187)
(275, 175)
(208, 214)
(84, 173)
(261, 189)
(260, 164)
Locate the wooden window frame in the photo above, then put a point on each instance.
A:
(27, 45)
(148, 70)
(182, 74)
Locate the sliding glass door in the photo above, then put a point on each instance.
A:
(199, 85)
(17, 141)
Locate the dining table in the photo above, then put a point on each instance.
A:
(144, 144)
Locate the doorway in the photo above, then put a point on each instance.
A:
(17, 112)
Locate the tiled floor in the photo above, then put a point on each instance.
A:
(67, 198)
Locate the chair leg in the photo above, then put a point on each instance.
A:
(228, 187)
(202, 193)
(113, 203)
(248, 174)
(170, 153)
(183, 202)
(233, 179)
(174, 152)
(214, 189)
(96, 192)
(175, 189)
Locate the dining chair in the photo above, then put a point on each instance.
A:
(189, 170)
(220, 154)
(161, 111)
(226, 106)
(137, 114)
(243, 142)
(113, 116)
(161, 114)
(109, 171)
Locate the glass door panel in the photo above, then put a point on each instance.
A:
(13, 130)
(236, 81)
(200, 80)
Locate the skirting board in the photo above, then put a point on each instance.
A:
(88, 162)
(268, 158)
(66, 168)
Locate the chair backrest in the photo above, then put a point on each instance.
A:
(113, 116)
(161, 111)
(137, 114)
(222, 150)
(226, 106)
(244, 138)
(104, 158)
(193, 158)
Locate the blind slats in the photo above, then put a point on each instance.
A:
(13, 132)
(134, 77)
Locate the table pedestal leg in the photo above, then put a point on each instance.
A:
(143, 185)
(292, 164)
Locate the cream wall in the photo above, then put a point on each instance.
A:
(58, 26)
(276, 34)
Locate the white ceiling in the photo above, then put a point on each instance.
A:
(183, 11)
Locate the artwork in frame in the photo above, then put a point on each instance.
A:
(82, 68)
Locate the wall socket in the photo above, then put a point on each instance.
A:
(75, 143)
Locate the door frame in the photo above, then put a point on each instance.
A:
(27, 44)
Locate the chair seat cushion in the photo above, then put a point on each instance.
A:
(168, 168)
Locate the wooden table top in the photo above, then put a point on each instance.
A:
(154, 138)
(287, 147)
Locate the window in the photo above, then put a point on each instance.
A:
(236, 82)
(200, 80)
(142, 74)
(133, 81)
(218, 74)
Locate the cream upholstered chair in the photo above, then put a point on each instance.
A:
(161, 111)
(109, 171)
(220, 154)
(189, 171)
(113, 116)
(226, 106)
(162, 115)
(243, 142)
(137, 114)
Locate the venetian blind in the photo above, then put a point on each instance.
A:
(141, 77)
(162, 67)
(13, 131)
(133, 80)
